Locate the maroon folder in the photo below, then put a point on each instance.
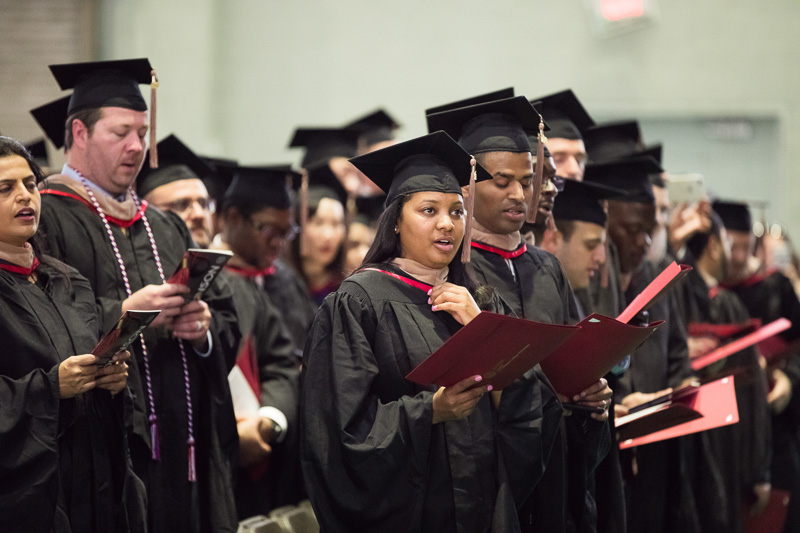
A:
(500, 348)
(723, 331)
(764, 332)
(772, 518)
(592, 352)
(655, 290)
(712, 405)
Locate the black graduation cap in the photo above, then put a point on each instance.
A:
(629, 175)
(369, 208)
(497, 126)
(323, 144)
(614, 140)
(375, 127)
(433, 162)
(176, 162)
(322, 183)
(38, 150)
(52, 118)
(502, 94)
(581, 200)
(565, 114)
(220, 179)
(264, 186)
(104, 83)
(735, 215)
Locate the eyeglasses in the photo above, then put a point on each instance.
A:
(272, 231)
(185, 204)
(556, 181)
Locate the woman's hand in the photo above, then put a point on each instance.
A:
(456, 402)
(114, 377)
(454, 299)
(76, 375)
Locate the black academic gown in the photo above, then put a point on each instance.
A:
(659, 496)
(77, 236)
(769, 297)
(64, 464)
(742, 450)
(373, 460)
(290, 295)
(605, 296)
(539, 290)
(278, 482)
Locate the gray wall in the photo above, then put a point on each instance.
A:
(238, 75)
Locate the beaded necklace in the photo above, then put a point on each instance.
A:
(152, 419)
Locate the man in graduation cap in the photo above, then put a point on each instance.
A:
(177, 185)
(530, 280)
(265, 382)
(183, 434)
(659, 499)
(258, 205)
(567, 119)
(742, 450)
(769, 295)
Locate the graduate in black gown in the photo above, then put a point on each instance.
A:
(183, 434)
(381, 453)
(768, 296)
(65, 464)
(529, 280)
(658, 496)
(743, 450)
(269, 462)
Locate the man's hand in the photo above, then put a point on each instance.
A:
(192, 323)
(781, 393)
(596, 395)
(253, 449)
(168, 298)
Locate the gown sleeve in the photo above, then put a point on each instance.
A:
(29, 428)
(363, 452)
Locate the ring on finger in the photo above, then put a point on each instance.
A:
(199, 326)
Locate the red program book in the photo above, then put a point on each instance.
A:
(712, 405)
(500, 348)
(592, 352)
(772, 518)
(655, 290)
(125, 331)
(764, 332)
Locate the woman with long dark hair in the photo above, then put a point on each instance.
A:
(381, 453)
(318, 255)
(64, 463)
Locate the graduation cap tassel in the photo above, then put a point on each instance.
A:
(538, 171)
(192, 467)
(303, 210)
(153, 144)
(155, 445)
(466, 250)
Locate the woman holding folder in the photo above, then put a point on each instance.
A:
(64, 461)
(379, 452)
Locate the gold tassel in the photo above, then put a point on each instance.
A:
(153, 144)
(303, 210)
(469, 205)
(538, 172)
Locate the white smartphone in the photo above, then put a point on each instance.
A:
(685, 188)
